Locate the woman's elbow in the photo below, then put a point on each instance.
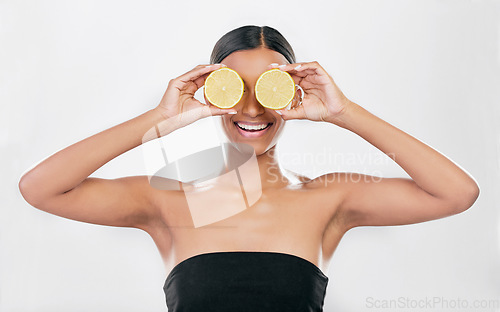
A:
(466, 197)
(28, 190)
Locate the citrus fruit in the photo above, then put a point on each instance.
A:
(275, 89)
(224, 87)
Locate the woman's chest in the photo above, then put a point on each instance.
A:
(285, 220)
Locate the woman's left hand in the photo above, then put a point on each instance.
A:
(322, 99)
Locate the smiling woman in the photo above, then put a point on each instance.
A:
(272, 255)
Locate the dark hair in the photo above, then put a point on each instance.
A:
(251, 37)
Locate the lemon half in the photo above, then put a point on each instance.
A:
(224, 87)
(275, 89)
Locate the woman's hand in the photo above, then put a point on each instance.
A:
(178, 104)
(322, 99)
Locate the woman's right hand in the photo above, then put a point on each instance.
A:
(178, 104)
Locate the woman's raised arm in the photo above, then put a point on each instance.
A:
(61, 185)
(437, 188)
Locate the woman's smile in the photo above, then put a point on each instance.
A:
(253, 129)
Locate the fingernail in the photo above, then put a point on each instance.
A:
(273, 64)
(232, 113)
(279, 112)
(297, 67)
(223, 65)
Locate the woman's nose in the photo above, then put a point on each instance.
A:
(249, 105)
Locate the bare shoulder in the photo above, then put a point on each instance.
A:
(325, 190)
(343, 181)
(324, 182)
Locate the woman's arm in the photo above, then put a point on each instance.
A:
(437, 187)
(60, 184)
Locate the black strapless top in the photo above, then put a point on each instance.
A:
(245, 281)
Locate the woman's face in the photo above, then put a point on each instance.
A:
(250, 64)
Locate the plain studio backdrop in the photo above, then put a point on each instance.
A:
(70, 69)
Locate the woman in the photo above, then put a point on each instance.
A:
(271, 256)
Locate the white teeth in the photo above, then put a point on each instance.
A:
(256, 127)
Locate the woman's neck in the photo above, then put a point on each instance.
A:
(269, 169)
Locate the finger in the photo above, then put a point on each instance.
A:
(196, 84)
(220, 111)
(194, 110)
(274, 65)
(303, 70)
(293, 67)
(197, 72)
(306, 81)
(212, 110)
(296, 77)
(300, 74)
(310, 67)
(296, 71)
(311, 72)
(296, 113)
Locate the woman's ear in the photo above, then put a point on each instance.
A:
(296, 101)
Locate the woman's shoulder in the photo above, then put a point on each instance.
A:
(328, 180)
(323, 181)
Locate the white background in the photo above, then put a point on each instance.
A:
(70, 69)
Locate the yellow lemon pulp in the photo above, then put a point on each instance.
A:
(275, 89)
(224, 87)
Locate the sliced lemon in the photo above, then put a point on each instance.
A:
(275, 89)
(224, 87)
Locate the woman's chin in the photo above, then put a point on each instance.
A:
(260, 147)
